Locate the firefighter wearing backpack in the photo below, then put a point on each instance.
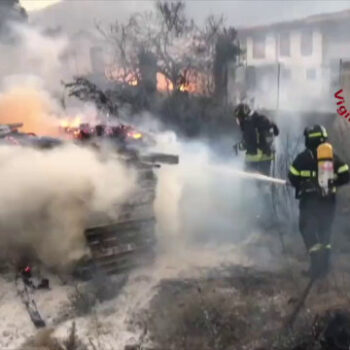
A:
(258, 133)
(315, 174)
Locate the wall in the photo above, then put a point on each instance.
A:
(295, 90)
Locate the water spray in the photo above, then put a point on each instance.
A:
(254, 176)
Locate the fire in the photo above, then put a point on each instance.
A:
(114, 73)
(133, 82)
(135, 135)
(70, 123)
(183, 87)
(164, 84)
(30, 106)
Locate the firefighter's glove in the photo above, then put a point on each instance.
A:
(240, 146)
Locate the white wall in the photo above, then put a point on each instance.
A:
(297, 92)
(295, 58)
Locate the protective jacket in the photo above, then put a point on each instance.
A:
(317, 210)
(304, 171)
(258, 132)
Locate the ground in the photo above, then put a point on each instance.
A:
(210, 297)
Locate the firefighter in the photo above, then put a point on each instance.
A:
(257, 142)
(315, 174)
(258, 132)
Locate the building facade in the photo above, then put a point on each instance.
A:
(296, 64)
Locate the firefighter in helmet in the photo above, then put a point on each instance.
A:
(315, 174)
(258, 133)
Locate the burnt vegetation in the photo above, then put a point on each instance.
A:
(167, 64)
(243, 309)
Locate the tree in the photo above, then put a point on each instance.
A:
(219, 48)
(164, 34)
(180, 50)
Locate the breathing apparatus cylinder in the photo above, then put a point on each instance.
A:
(325, 167)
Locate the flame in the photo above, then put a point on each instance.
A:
(29, 106)
(133, 82)
(163, 83)
(69, 123)
(135, 135)
(183, 88)
(114, 73)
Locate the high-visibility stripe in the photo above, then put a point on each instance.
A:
(319, 246)
(302, 173)
(315, 134)
(307, 173)
(324, 132)
(294, 171)
(259, 157)
(318, 134)
(343, 169)
(315, 248)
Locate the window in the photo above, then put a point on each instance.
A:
(284, 44)
(306, 42)
(259, 47)
(311, 74)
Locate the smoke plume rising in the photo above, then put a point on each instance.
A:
(48, 197)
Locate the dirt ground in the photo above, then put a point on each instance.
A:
(239, 308)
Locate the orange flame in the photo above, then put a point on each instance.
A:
(29, 106)
(164, 84)
(70, 122)
(114, 73)
(133, 82)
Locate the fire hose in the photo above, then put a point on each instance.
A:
(254, 176)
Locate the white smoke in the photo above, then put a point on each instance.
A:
(36, 56)
(47, 199)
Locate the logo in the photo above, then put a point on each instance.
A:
(342, 111)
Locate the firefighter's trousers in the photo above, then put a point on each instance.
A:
(315, 224)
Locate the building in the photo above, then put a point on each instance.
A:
(295, 64)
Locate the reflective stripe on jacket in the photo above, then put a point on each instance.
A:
(259, 157)
(303, 173)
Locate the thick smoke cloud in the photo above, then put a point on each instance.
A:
(34, 56)
(47, 199)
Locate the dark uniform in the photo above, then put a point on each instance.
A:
(258, 132)
(316, 211)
